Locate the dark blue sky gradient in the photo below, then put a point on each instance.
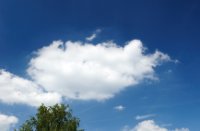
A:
(32, 23)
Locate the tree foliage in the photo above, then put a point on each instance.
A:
(53, 118)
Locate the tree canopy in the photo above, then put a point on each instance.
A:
(53, 118)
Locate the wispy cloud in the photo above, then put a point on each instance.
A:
(166, 125)
(119, 108)
(94, 35)
(141, 117)
(169, 71)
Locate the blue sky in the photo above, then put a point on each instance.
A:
(127, 64)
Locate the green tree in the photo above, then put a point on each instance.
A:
(53, 118)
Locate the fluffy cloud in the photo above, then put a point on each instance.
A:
(140, 117)
(150, 125)
(6, 122)
(14, 89)
(85, 71)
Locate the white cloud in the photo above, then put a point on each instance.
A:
(119, 108)
(181, 129)
(141, 117)
(6, 122)
(93, 36)
(150, 125)
(14, 89)
(85, 71)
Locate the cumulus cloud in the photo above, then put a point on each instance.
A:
(85, 71)
(119, 108)
(93, 36)
(14, 89)
(6, 122)
(141, 117)
(150, 125)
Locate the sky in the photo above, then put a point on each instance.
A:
(121, 65)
